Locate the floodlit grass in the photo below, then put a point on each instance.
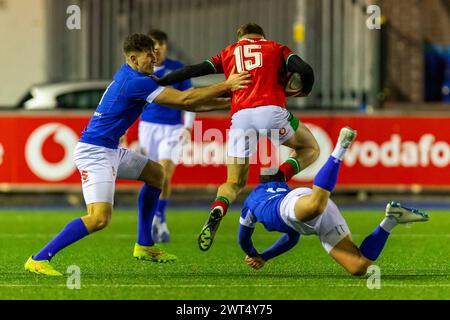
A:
(414, 265)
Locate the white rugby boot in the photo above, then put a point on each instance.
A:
(160, 232)
(404, 214)
(346, 137)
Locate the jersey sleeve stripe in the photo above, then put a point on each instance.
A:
(154, 94)
(212, 64)
(246, 223)
(289, 56)
(247, 219)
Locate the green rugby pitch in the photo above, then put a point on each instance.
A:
(415, 263)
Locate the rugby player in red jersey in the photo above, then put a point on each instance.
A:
(256, 110)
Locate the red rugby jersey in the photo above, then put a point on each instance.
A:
(265, 60)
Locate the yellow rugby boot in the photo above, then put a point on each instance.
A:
(206, 236)
(41, 267)
(152, 253)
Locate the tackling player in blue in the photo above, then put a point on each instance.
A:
(100, 160)
(305, 211)
(163, 131)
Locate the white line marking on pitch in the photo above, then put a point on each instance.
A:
(444, 285)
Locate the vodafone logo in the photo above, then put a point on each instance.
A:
(326, 147)
(39, 164)
(426, 152)
(397, 153)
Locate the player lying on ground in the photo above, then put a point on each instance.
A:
(100, 161)
(304, 211)
(259, 109)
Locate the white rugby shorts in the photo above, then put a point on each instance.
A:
(330, 226)
(100, 167)
(247, 125)
(161, 141)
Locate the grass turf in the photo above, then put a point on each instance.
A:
(414, 264)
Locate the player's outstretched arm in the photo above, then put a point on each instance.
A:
(245, 240)
(296, 64)
(214, 104)
(193, 71)
(252, 259)
(191, 100)
(285, 243)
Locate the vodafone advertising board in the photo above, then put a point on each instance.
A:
(390, 151)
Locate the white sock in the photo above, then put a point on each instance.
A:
(388, 224)
(338, 152)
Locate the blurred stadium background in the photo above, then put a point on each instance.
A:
(391, 83)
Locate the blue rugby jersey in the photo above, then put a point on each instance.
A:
(263, 205)
(157, 113)
(121, 104)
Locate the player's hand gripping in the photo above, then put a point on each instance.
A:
(255, 262)
(237, 81)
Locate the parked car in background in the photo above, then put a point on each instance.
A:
(81, 95)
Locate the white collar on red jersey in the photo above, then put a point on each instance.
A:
(253, 39)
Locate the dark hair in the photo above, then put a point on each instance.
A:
(138, 42)
(158, 36)
(249, 28)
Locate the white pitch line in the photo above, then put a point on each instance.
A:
(444, 285)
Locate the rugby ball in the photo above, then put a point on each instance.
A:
(292, 84)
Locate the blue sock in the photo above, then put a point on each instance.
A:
(147, 201)
(161, 211)
(72, 232)
(326, 178)
(372, 246)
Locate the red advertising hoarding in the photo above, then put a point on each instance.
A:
(36, 150)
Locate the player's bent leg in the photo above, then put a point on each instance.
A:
(99, 199)
(237, 175)
(372, 246)
(305, 149)
(336, 239)
(152, 174)
(348, 255)
(98, 216)
(160, 231)
(71, 233)
(310, 206)
(169, 168)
